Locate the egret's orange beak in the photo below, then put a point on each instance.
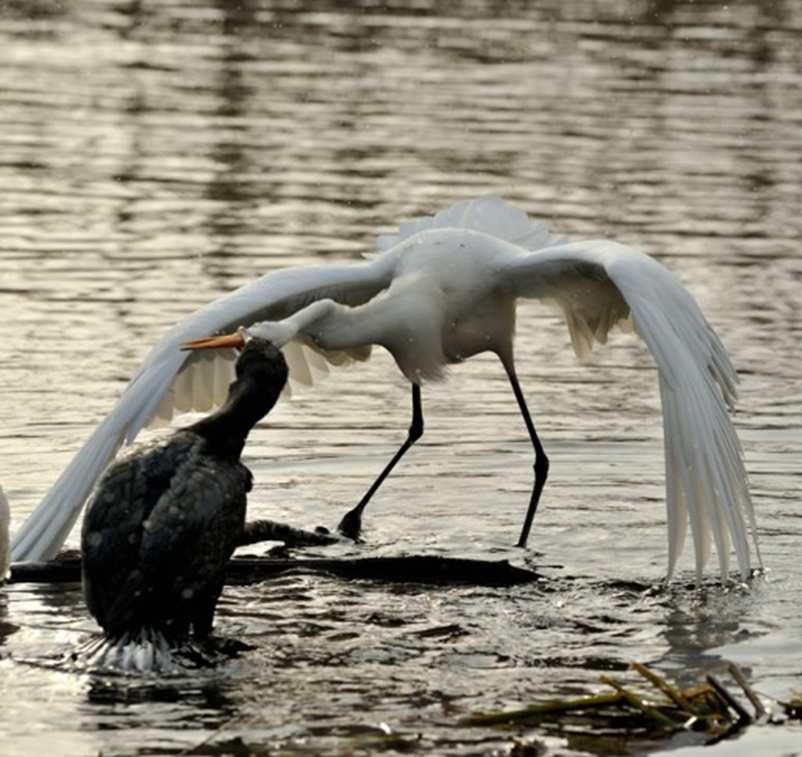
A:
(215, 342)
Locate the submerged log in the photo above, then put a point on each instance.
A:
(424, 569)
(60, 570)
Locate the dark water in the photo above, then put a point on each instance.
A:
(155, 155)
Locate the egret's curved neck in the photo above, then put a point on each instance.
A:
(331, 326)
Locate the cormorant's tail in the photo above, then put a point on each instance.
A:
(142, 651)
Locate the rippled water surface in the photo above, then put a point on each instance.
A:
(155, 155)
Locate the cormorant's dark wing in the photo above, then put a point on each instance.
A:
(188, 539)
(113, 527)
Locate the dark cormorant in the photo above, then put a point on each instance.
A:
(164, 520)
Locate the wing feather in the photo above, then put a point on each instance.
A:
(152, 391)
(203, 386)
(601, 284)
(223, 366)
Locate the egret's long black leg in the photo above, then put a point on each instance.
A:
(351, 524)
(541, 461)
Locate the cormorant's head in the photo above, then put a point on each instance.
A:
(263, 363)
(260, 362)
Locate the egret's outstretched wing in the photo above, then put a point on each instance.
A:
(600, 284)
(160, 385)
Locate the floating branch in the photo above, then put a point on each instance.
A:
(633, 700)
(535, 713)
(735, 672)
(793, 707)
(708, 708)
(729, 700)
(674, 694)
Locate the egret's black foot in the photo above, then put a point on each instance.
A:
(351, 525)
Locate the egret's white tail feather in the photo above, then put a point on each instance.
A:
(490, 215)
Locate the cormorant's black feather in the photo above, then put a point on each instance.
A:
(165, 519)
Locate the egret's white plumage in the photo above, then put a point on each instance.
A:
(445, 288)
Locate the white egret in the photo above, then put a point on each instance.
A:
(443, 289)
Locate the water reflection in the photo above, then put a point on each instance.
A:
(227, 191)
(190, 697)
